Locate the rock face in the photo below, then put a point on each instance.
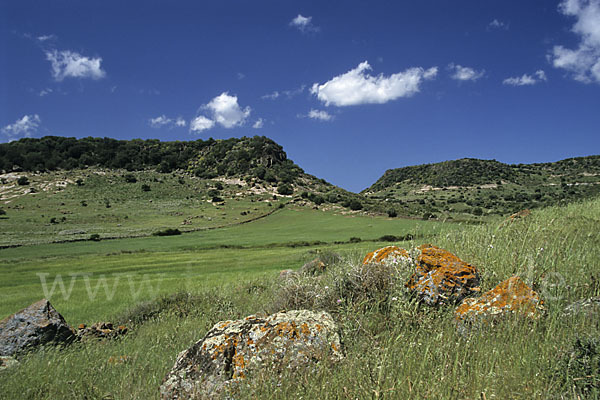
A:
(235, 350)
(387, 255)
(33, 326)
(510, 296)
(100, 330)
(441, 277)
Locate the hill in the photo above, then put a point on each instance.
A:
(479, 187)
(62, 189)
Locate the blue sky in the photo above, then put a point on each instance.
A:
(349, 88)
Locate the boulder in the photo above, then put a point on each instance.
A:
(100, 330)
(589, 307)
(314, 267)
(7, 362)
(33, 326)
(388, 255)
(441, 277)
(511, 296)
(234, 351)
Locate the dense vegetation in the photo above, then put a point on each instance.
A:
(482, 187)
(256, 156)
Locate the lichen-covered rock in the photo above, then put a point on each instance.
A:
(286, 274)
(100, 330)
(589, 307)
(314, 267)
(511, 296)
(392, 255)
(7, 362)
(441, 277)
(33, 326)
(235, 350)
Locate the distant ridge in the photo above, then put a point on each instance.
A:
(472, 171)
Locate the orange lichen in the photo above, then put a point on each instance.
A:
(510, 296)
(384, 254)
(440, 275)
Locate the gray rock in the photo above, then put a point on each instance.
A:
(234, 351)
(589, 307)
(32, 327)
(7, 362)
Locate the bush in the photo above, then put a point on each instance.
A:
(2, 211)
(145, 187)
(218, 185)
(580, 368)
(168, 232)
(392, 213)
(130, 178)
(285, 189)
(355, 205)
(79, 182)
(22, 181)
(94, 237)
(217, 199)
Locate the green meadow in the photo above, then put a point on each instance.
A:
(395, 349)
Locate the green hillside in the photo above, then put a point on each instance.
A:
(472, 187)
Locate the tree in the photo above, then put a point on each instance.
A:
(355, 205)
(285, 189)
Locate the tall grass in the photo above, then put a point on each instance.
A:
(395, 348)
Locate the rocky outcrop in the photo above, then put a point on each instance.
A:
(33, 326)
(388, 255)
(100, 330)
(511, 296)
(233, 351)
(441, 277)
(314, 267)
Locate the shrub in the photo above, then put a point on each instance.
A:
(219, 185)
(392, 213)
(285, 189)
(217, 199)
(79, 182)
(53, 220)
(83, 203)
(22, 181)
(580, 368)
(130, 178)
(355, 205)
(145, 187)
(355, 239)
(94, 237)
(168, 232)
(2, 211)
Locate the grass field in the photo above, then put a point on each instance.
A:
(394, 348)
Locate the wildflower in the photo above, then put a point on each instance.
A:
(326, 287)
(339, 301)
(394, 298)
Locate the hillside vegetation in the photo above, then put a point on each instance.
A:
(482, 187)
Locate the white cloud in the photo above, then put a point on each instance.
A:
(226, 110)
(162, 121)
(67, 63)
(357, 87)
(584, 61)
(461, 73)
(497, 24)
(201, 123)
(320, 115)
(44, 38)
(526, 80)
(45, 92)
(304, 24)
(259, 123)
(271, 96)
(23, 127)
(288, 93)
